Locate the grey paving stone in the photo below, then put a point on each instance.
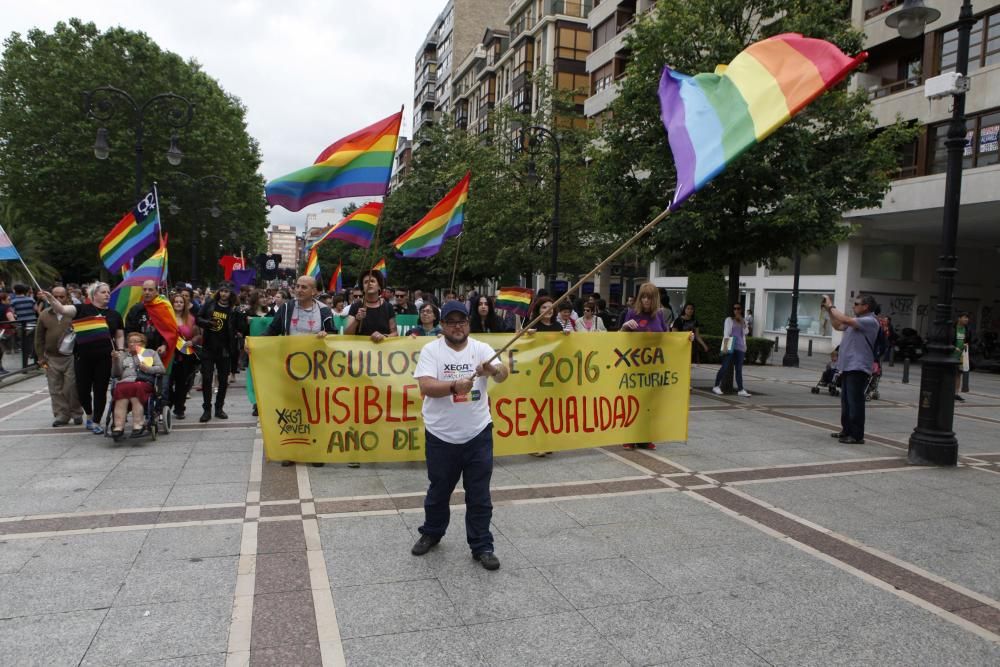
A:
(447, 647)
(63, 552)
(281, 572)
(162, 631)
(77, 464)
(648, 508)
(49, 640)
(27, 503)
(125, 498)
(300, 655)
(347, 565)
(532, 520)
(287, 618)
(566, 546)
(375, 531)
(602, 582)
(482, 597)
(210, 474)
(140, 478)
(177, 580)
(53, 591)
(341, 487)
(559, 639)
(200, 459)
(192, 542)
(753, 615)
(381, 609)
(14, 554)
(739, 657)
(206, 494)
(658, 631)
(207, 660)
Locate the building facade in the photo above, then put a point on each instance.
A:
(284, 240)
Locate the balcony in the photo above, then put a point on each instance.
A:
(427, 97)
(880, 7)
(884, 90)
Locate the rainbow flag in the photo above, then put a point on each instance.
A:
(357, 228)
(711, 119)
(139, 228)
(7, 249)
(90, 329)
(358, 165)
(442, 222)
(515, 299)
(380, 267)
(337, 279)
(312, 265)
(129, 291)
(161, 315)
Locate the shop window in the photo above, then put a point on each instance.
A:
(812, 319)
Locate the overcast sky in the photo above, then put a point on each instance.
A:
(308, 71)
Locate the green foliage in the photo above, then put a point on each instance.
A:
(789, 192)
(26, 242)
(708, 292)
(758, 350)
(48, 170)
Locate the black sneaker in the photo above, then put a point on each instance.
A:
(848, 440)
(488, 559)
(220, 414)
(838, 435)
(205, 416)
(957, 398)
(178, 415)
(424, 545)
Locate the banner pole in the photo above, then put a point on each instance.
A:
(454, 268)
(622, 248)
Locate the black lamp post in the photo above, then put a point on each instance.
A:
(203, 187)
(791, 357)
(99, 105)
(532, 137)
(933, 441)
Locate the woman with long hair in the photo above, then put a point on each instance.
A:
(687, 322)
(185, 361)
(483, 318)
(734, 338)
(645, 314)
(100, 331)
(549, 321)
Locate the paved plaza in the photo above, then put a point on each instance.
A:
(760, 541)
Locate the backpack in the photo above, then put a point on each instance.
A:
(881, 344)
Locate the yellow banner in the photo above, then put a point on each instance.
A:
(344, 398)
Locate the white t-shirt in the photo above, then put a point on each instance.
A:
(305, 321)
(455, 419)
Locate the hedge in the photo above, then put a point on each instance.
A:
(758, 350)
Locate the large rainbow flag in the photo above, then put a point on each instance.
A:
(312, 265)
(711, 119)
(129, 291)
(337, 279)
(442, 222)
(357, 228)
(139, 228)
(358, 165)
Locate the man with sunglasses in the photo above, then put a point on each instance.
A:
(402, 302)
(857, 356)
(453, 372)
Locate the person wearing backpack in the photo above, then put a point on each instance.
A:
(857, 356)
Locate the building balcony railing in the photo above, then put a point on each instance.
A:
(877, 92)
(882, 8)
(427, 97)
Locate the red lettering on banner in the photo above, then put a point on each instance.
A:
(571, 414)
(371, 402)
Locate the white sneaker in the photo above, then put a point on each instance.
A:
(717, 391)
(744, 393)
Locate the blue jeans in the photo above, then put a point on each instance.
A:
(473, 462)
(852, 403)
(734, 357)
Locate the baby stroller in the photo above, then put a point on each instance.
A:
(157, 416)
(829, 380)
(871, 389)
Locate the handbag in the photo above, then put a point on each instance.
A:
(727, 345)
(67, 342)
(965, 360)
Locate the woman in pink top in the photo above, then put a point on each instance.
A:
(185, 361)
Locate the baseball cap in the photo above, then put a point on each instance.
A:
(454, 307)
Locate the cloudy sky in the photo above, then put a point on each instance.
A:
(309, 71)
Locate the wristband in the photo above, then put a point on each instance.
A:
(451, 387)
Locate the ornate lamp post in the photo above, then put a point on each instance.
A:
(933, 441)
(203, 186)
(99, 105)
(532, 137)
(791, 357)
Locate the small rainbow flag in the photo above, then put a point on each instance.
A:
(90, 329)
(515, 299)
(442, 222)
(129, 291)
(312, 265)
(358, 165)
(357, 228)
(139, 228)
(380, 267)
(337, 279)
(711, 119)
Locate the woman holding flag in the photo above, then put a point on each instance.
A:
(185, 362)
(99, 331)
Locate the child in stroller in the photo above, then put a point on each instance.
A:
(871, 389)
(136, 371)
(830, 379)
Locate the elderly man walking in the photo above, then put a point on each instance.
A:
(58, 364)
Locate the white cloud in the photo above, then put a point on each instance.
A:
(308, 71)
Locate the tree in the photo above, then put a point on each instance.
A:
(787, 194)
(47, 168)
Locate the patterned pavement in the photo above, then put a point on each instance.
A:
(760, 541)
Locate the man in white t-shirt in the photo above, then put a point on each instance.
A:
(453, 372)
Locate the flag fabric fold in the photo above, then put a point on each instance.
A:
(515, 299)
(357, 228)
(138, 229)
(444, 221)
(161, 315)
(711, 119)
(358, 165)
(380, 267)
(337, 279)
(312, 265)
(129, 291)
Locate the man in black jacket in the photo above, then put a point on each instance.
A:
(137, 320)
(216, 319)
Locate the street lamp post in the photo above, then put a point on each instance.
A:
(198, 230)
(933, 440)
(791, 357)
(99, 105)
(528, 137)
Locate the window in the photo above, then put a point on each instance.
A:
(812, 320)
(604, 33)
(980, 143)
(573, 44)
(574, 82)
(887, 262)
(603, 78)
(522, 59)
(984, 45)
(821, 263)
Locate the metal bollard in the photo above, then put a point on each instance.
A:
(776, 346)
(809, 353)
(906, 370)
(965, 381)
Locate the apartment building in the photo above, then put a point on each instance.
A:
(284, 240)
(609, 22)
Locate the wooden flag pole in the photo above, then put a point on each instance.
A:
(622, 248)
(454, 269)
